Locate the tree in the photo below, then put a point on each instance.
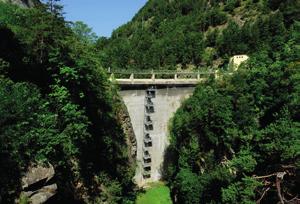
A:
(229, 42)
(238, 135)
(66, 112)
(187, 184)
(83, 32)
(26, 129)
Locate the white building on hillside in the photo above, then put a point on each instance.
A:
(237, 60)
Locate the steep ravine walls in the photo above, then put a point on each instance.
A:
(124, 118)
(22, 3)
(166, 102)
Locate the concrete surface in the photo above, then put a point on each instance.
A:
(167, 101)
(159, 81)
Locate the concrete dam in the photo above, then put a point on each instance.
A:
(150, 116)
(151, 103)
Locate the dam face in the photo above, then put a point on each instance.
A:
(165, 103)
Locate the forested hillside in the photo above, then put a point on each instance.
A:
(234, 138)
(170, 34)
(57, 107)
(237, 139)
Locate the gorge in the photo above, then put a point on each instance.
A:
(190, 102)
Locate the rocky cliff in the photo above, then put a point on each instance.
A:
(22, 3)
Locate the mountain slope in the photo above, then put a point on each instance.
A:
(187, 34)
(22, 3)
(237, 140)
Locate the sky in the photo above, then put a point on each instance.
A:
(103, 16)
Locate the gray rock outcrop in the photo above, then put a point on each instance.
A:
(38, 184)
(22, 3)
(124, 118)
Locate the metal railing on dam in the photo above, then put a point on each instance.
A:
(151, 98)
(161, 77)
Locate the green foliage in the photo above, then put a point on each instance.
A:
(111, 190)
(83, 32)
(241, 192)
(23, 199)
(170, 34)
(28, 132)
(3, 67)
(58, 106)
(187, 184)
(231, 5)
(158, 193)
(25, 118)
(244, 161)
(231, 41)
(232, 129)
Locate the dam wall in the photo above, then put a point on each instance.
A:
(166, 101)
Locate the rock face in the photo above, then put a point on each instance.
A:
(22, 3)
(124, 118)
(38, 184)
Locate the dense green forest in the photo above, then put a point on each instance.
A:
(57, 106)
(237, 139)
(234, 137)
(188, 34)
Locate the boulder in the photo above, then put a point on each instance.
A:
(36, 174)
(43, 194)
(38, 183)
